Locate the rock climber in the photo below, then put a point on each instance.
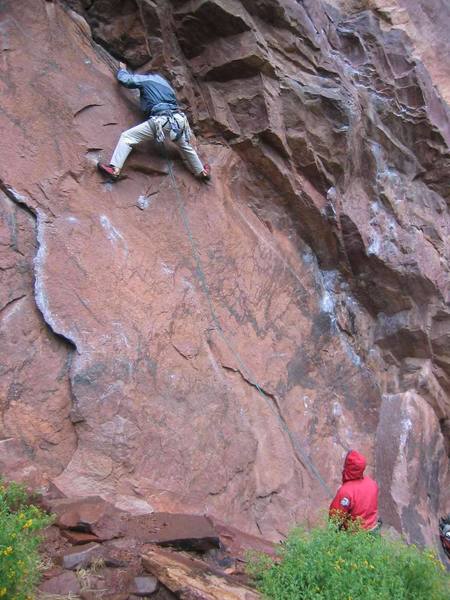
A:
(357, 498)
(444, 532)
(163, 117)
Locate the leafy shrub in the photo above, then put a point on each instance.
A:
(329, 564)
(19, 541)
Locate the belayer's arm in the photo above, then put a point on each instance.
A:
(340, 507)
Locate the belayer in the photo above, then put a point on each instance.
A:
(357, 498)
(163, 117)
(444, 532)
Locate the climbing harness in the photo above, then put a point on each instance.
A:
(179, 125)
(272, 402)
(176, 129)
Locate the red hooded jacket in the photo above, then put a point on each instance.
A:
(358, 495)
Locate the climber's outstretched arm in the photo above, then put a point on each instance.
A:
(127, 79)
(134, 80)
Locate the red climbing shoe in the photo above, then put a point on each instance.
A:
(112, 172)
(205, 175)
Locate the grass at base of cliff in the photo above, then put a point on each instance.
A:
(20, 523)
(328, 564)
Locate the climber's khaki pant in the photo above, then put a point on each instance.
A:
(147, 131)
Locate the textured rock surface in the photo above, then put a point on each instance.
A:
(426, 25)
(34, 370)
(408, 446)
(324, 244)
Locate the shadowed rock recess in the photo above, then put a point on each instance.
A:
(218, 351)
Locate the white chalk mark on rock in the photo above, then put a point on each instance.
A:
(375, 245)
(112, 233)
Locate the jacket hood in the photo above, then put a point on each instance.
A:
(354, 466)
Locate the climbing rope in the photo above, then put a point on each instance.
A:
(300, 454)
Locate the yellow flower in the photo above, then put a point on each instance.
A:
(28, 524)
(3, 592)
(7, 551)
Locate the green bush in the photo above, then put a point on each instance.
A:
(328, 564)
(19, 541)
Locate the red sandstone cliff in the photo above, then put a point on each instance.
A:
(323, 240)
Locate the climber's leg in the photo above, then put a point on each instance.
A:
(191, 159)
(127, 140)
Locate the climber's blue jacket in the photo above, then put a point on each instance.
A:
(157, 96)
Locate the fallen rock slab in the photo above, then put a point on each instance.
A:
(144, 586)
(91, 514)
(238, 543)
(79, 537)
(190, 578)
(62, 585)
(189, 532)
(233, 554)
(81, 557)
